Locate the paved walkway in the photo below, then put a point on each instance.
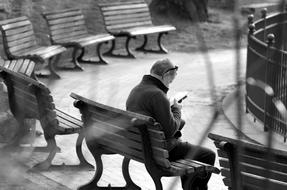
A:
(111, 84)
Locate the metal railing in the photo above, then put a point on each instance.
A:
(267, 62)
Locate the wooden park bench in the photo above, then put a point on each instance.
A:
(31, 99)
(113, 131)
(67, 28)
(254, 168)
(20, 42)
(129, 19)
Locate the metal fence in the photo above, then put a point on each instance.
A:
(266, 63)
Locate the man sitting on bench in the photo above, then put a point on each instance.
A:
(149, 98)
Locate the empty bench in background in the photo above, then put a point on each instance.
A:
(129, 19)
(30, 99)
(20, 42)
(256, 168)
(110, 130)
(68, 28)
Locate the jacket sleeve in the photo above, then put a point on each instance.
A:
(169, 118)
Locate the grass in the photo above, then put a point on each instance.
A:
(218, 32)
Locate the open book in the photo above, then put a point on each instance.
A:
(180, 96)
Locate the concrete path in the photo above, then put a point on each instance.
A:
(111, 84)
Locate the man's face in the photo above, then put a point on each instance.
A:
(170, 74)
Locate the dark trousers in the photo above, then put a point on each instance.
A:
(186, 150)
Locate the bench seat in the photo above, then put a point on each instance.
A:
(23, 66)
(68, 28)
(146, 30)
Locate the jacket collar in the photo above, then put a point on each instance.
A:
(148, 79)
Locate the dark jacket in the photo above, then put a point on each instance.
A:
(149, 98)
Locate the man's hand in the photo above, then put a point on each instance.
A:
(176, 104)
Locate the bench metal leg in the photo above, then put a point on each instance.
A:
(129, 53)
(83, 161)
(101, 60)
(75, 58)
(52, 146)
(51, 65)
(93, 184)
(189, 182)
(161, 49)
(156, 180)
(125, 168)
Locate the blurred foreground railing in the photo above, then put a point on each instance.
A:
(266, 62)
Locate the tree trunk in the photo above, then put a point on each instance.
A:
(195, 10)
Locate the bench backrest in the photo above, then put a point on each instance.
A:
(115, 130)
(28, 98)
(120, 14)
(18, 36)
(253, 161)
(66, 25)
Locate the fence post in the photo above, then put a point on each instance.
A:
(263, 16)
(270, 42)
(250, 19)
(251, 27)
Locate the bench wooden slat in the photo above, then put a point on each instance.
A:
(19, 35)
(118, 147)
(117, 120)
(127, 11)
(62, 13)
(30, 68)
(70, 35)
(24, 29)
(66, 27)
(127, 20)
(15, 25)
(21, 49)
(123, 7)
(68, 117)
(126, 2)
(258, 181)
(128, 25)
(149, 30)
(16, 66)
(13, 20)
(12, 64)
(18, 40)
(109, 19)
(24, 67)
(62, 20)
(259, 162)
(256, 170)
(98, 38)
(121, 137)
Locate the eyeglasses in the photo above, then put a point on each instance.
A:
(171, 69)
